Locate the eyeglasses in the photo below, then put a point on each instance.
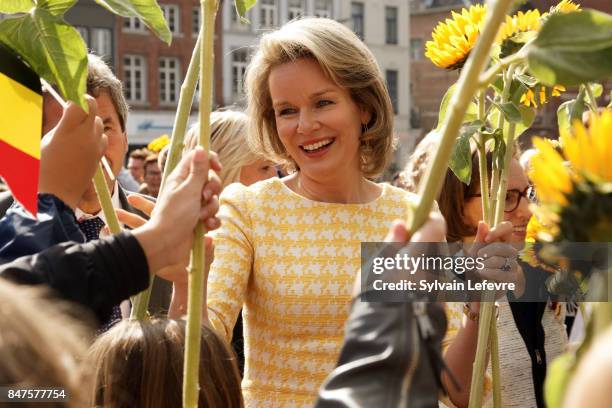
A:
(513, 197)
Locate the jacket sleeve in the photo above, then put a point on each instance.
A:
(385, 361)
(98, 274)
(21, 234)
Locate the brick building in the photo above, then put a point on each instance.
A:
(429, 83)
(152, 71)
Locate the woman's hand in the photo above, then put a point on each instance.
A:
(500, 258)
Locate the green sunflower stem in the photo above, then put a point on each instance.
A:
(497, 401)
(466, 88)
(482, 158)
(491, 73)
(496, 170)
(106, 203)
(503, 184)
(197, 285)
(140, 303)
(480, 361)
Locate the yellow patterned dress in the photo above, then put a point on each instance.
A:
(291, 263)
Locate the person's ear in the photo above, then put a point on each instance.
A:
(365, 116)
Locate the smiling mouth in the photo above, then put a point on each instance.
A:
(520, 229)
(317, 146)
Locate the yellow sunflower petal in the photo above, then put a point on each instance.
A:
(453, 39)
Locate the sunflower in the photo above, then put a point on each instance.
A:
(565, 6)
(530, 98)
(519, 23)
(594, 166)
(156, 145)
(549, 174)
(574, 188)
(453, 39)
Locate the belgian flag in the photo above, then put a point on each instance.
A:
(20, 128)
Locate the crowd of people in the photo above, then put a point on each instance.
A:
(283, 324)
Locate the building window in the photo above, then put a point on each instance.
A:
(169, 73)
(101, 42)
(267, 13)
(357, 18)
(239, 65)
(84, 34)
(416, 49)
(195, 21)
(135, 78)
(391, 25)
(323, 8)
(133, 24)
(172, 16)
(391, 75)
(295, 9)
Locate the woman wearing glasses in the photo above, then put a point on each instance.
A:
(530, 334)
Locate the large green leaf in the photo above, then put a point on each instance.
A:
(242, 6)
(16, 6)
(54, 49)
(461, 158)
(573, 48)
(470, 115)
(56, 7)
(146, 10)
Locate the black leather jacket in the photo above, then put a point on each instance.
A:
(390, 357)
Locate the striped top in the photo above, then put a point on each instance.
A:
(291, 263)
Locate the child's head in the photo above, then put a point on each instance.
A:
(40, 346)
(140, 364)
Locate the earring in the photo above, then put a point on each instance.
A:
(364, 128)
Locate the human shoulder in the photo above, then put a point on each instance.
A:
(398, 195)
(240, 192)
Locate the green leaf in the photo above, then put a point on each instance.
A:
(54, 50)
(461, 158)
(557, 379)
(56, 7)
(597, 90)
(242, 6)
(470, 115)
(570, 111)
(527, 117)
(148, 11)
(573, 48)
(510, 111)
(16, 6)
(526, 80)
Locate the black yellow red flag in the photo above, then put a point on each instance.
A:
(20, 128)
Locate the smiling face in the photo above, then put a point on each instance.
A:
(115, 150)
(317, 121)
(519, 217)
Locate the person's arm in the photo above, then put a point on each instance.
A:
(69, 156)
(97, 274)
(101, 273)
(230, 271)
(22, 235)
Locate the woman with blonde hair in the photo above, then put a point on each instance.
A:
(228, 138)
(139, 363)
(289, 249)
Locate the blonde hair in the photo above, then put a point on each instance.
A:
(228, 138)
(139, 363)
(346, 61)
(40, 345)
